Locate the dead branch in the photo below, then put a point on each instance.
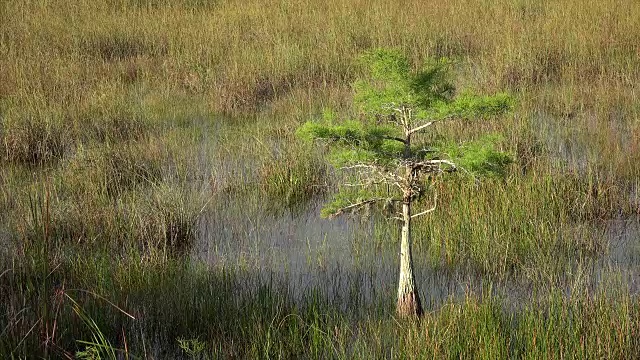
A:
(416, 129)
(357, 205)
(433, 208)
(433, 165)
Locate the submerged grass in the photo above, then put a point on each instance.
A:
(112, 149)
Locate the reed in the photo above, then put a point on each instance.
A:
(124, 124)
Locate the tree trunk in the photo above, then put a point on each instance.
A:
(408, 300)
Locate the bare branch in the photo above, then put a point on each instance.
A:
(431, 122)
(392, 106)
(435, 204)
(438, 162)
(380, 174)
(416, 129)
(357, 205)
(433, 165)
(423, 213)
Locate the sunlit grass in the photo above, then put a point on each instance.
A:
(122, 122)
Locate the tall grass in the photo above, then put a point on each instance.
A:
(123, 122)
(234, 317)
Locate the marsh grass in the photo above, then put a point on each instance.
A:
(235, 316)
(34, 140)
(113, 148)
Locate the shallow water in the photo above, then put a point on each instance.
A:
(342, 257)
(622, 258)
(563, 141)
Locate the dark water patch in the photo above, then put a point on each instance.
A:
(584, 143)
(345, 258)
(244, 232)
(340, 257)
(563, 142)
(615, 270)
(624, 243)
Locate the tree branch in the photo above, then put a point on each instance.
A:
(435, 204)
(382, 174)
(392, 106)
(395, 138)
(434, 165)
(416, 129)
(431, 122)
(360, 204)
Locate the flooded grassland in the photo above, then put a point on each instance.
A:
(155, 201)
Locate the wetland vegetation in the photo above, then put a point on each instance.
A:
(155, 201)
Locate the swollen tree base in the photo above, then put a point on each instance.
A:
(409, 305)
(408, 298)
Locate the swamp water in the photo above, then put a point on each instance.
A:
(342, 258)
(347, 261)
(339, 257)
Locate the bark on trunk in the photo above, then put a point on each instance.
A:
(408, 300)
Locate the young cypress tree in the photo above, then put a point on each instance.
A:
(383, 147)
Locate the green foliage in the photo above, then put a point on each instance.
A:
(390, 82)
(355, 141)
(470, 107)
(433, 84)
(480, 157)
(398, 104)
(192, 347)
(348, 133)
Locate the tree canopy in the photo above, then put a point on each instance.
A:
(395, 104)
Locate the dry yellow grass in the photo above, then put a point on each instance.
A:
(63, 62)
(75, 73)
(240, 55)
(95, 95)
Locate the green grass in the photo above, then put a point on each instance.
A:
(123, 123)
(233, 314)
